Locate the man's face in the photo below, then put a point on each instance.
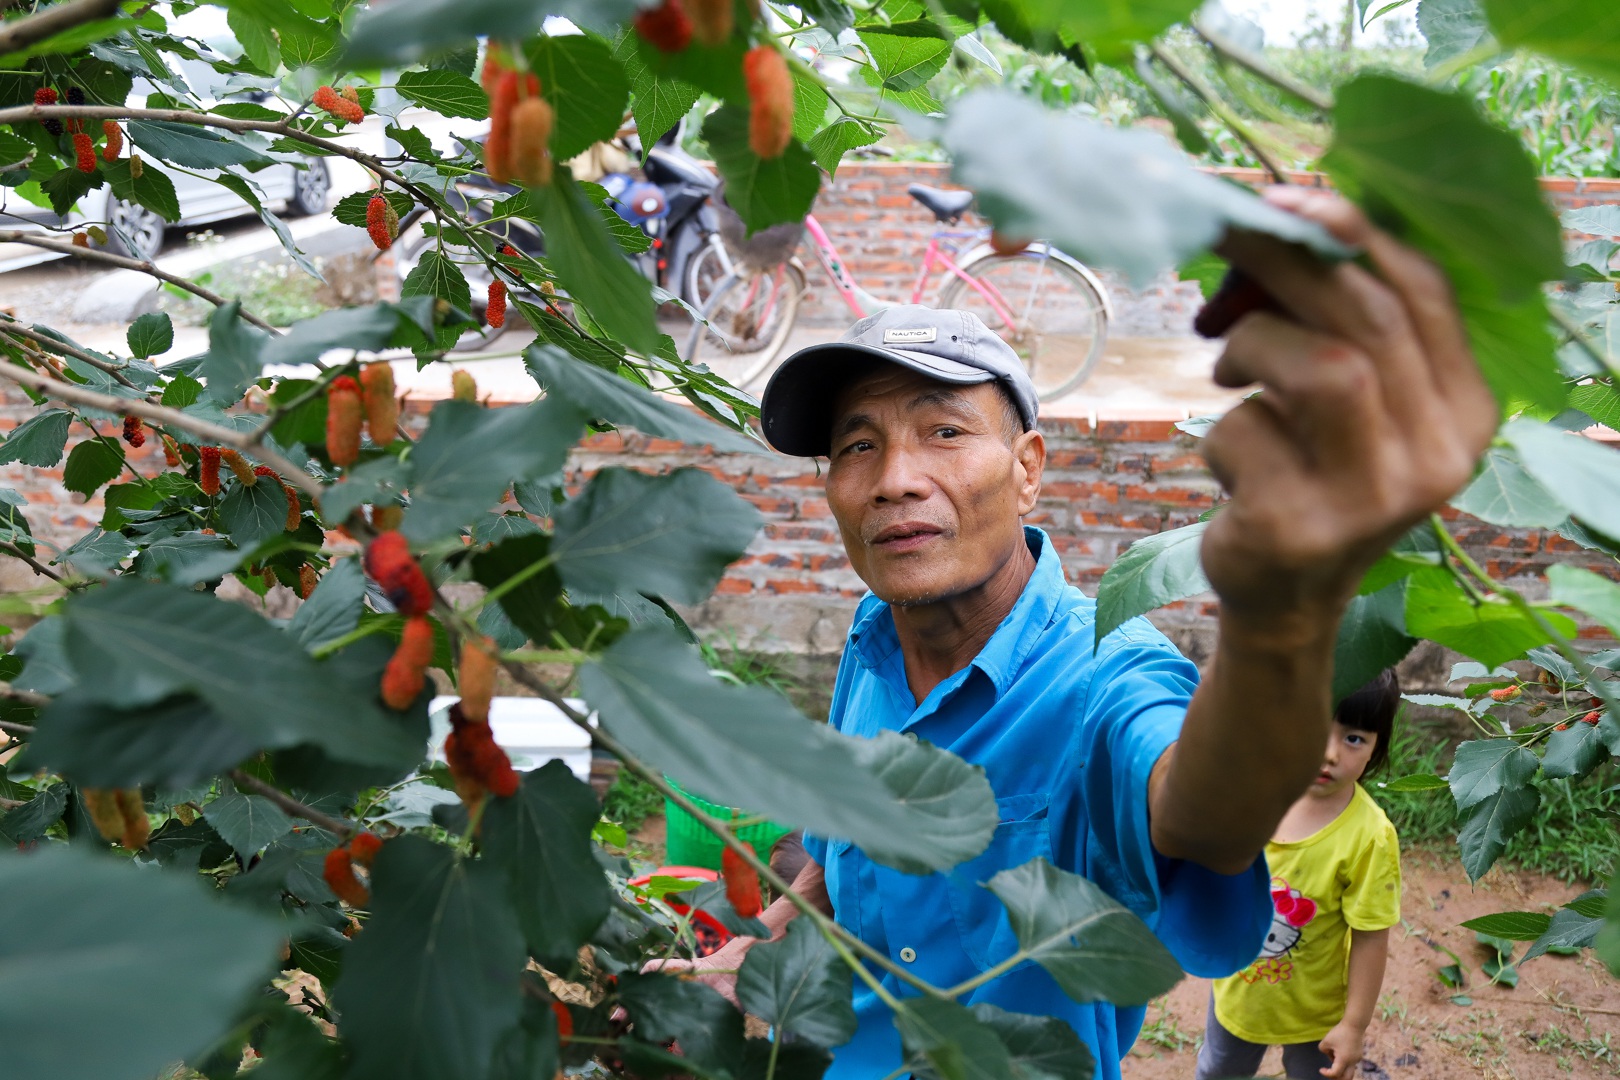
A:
(928, 484)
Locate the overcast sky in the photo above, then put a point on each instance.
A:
(1285, 20)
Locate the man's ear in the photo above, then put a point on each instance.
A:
(1029, 450)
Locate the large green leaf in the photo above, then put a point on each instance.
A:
(764, 192)
(1371, 637)
(368, 328)
(469, 455)
(540, 839)
(38, 441)
(131, 643)
(1487, 827)
(1580, 747)
(1042, 1047)
(1581, 473)
(232, 361)
(1462, 188)
(603, 396)
(907, 805)
(1578, 588)
(1491, 631)
(28, 822)
(151, 334)
(799, 986)
(1485, 767)
(152, 189)
(120, 973)
(254, 513)
(173, 743)
(1568, 929)
(432, 983)
(658, 102)
(1503, 493)
(903, 62)
(192, 147)
(1126, 200)
(530, 603)
(669, 535)
(666, 1009)
(405, 32)
(1153, 571)
(187, 559)
(437, 276)
(91, 464)
(831, 143)
(1581, 33)
(1451, 27)
(944, 1039)
(247, 822)
(333, 609)
(1092, 946)
(1512, 925)
(1599, 401)
(1108, 31)
(585, 84)
(586, 259)
(447, 93)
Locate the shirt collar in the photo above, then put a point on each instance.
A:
(873, 637)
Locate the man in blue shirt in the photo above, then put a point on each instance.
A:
(1115, 763)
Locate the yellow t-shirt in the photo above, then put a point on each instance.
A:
(1346, 876)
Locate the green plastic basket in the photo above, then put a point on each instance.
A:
(690, 844)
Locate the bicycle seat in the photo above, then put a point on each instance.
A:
(947, 206)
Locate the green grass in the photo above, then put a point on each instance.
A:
(1572, 836)
(630, 800)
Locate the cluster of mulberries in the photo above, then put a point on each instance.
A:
(344, 106)
(520, 124)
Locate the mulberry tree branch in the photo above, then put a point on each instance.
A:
(18, 34)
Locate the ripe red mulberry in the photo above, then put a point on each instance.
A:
(406, 673)
(666, 27)
(171, 452)
(495, 312)
(84, 151)
(382, 222)
(134, 433)
(388, 562)
(46, 96)
(742, 884)
(208, 472)
(338, 871)
(339, 106)
(115, 140)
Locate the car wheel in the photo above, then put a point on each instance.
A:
(133, 230)
(311, 186)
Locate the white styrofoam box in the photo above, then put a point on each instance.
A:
(531, 730)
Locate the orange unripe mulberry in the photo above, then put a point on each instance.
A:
(382, 406)
(171, 452)
(530, 155)
(134, 434)
(1592, 718)
(387, 518)
(495, 311)
(307, 580)
(479, 662)
(84, 151)
(1505, 693)
(382, 222)
(338, 870)
(509, 88)
(119, 815)
(238, 465)
(712, 20)
(463, 387)
(742, 884)
(208, 469)
(666, 27)
(388, 562)
(102, 803)
(406, 673)
(137, 826)
(115, 140)
(770, 101)
(80, 240)
(343, 409)
(339, 106)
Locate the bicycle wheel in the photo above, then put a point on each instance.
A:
(749, 321)
(1059, 316)
(705, 270)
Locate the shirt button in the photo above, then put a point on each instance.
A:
(908, 954)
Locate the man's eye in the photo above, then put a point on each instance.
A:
(949, 432)
(859, 444)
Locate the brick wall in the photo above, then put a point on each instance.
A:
(881, 232)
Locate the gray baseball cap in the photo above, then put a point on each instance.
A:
(951, 346)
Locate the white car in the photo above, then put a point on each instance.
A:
(138, 232)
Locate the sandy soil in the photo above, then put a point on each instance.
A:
(1562, 1020)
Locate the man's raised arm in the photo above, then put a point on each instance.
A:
(1373, 414)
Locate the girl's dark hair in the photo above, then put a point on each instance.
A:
(1372, 709)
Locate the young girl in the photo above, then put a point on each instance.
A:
(1336, 886)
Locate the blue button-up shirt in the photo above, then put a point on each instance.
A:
(1067, 737)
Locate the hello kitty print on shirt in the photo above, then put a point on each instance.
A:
(1291, 912)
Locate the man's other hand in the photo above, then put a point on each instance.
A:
(1372, 415)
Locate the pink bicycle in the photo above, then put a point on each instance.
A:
(1048, 306)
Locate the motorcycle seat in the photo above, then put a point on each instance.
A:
(947, 206)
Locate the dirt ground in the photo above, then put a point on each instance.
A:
(1562, 1020)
